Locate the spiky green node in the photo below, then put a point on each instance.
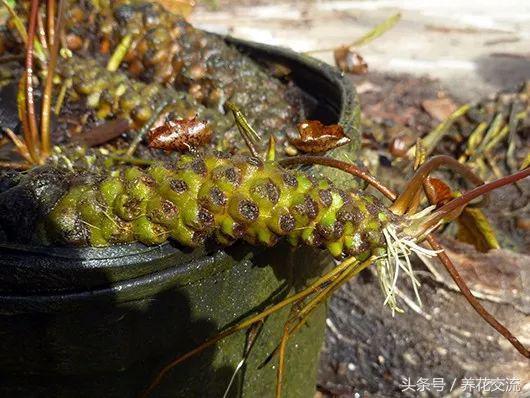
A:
(215, 196)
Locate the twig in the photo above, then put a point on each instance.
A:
(62, 93)
(293, 325)
(513, 122)
(19, 26)
(499, 327)
(473, 141)
(492, 131)
(496, 139)
(321, 283)
(270, 155)
(402, 204)
(468, 196)
(23, 116)
(377, 31)
(41, 32)
(338, 164)
(50, 14)
(20, 145)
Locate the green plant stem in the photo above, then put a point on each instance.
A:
(62, 93)
(431, 140)
(118, 55)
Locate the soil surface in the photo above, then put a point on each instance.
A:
(444, 346)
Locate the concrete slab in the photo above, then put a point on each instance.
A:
(475, 47)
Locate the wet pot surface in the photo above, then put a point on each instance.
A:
(102, 322)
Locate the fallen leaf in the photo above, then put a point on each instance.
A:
(316, 137)
(349, 61)
(180, 135)
(440, 108)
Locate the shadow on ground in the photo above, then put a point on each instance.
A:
(504, 71)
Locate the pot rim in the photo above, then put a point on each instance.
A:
(183, 274)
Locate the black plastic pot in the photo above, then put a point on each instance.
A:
(102, 322)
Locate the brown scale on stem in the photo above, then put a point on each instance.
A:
(180, 135)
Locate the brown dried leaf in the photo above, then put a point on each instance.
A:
(440, 108)
(315, 137)
(350, 61)
(437, 191)
(180, 135)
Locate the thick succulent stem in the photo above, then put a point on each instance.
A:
(214, 196)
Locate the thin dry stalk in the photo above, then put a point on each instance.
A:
(30, 102)
(50, 19)
(47, 95)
